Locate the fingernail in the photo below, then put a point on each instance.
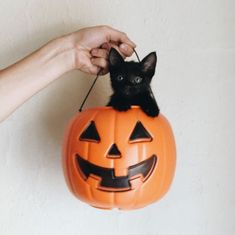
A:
(94, 51)
(105, 45)
(134, 44)
(124, 47)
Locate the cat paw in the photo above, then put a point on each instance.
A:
(152, 111)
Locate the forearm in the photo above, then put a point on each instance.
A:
(25, 78)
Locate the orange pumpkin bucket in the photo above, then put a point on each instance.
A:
(115, 159)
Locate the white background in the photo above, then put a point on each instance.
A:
(194, 86)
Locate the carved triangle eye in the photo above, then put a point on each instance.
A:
(140, 134)
(90, 134)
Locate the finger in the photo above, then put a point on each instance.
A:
(93, 69)
(106, 46)
(117, 36)
(104, 71)
(126, 50)
(100, 62)
(102, 53)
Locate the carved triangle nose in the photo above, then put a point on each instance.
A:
(114, 152)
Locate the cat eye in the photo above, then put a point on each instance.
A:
(138, 80)
(120, 78)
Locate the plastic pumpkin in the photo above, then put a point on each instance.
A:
(115, 159)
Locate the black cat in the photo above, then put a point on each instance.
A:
(131, 83)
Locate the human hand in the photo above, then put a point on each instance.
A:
(92, 46)
(86, 49)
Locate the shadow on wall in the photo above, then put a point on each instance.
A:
(64, 99)
(60, 104)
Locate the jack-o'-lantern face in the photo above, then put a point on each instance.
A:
(108, 180)
(118, 159)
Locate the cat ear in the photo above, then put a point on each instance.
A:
(148, 64)
(115, 59)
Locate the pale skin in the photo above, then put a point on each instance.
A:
(86, 50)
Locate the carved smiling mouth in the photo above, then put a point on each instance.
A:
(108, 180)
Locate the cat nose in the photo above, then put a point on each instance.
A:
(114, 152)
(132, 81)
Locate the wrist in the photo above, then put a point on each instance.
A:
(79, 51)
(61, 53)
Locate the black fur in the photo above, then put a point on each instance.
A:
(131, 83)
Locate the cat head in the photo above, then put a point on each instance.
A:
(129, 77)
